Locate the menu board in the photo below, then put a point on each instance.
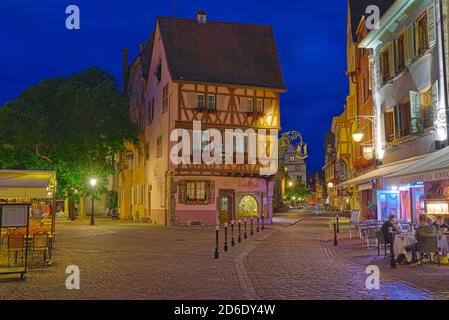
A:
(13, 216)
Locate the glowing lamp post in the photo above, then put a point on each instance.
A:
(357, 136)
(93, 183)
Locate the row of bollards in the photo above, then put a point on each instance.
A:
(239, 237)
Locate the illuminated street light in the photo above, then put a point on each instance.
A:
(290, 184)
(330, 185)
(357, 136)
(93, 183)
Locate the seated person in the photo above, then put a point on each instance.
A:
(424, 230)
(439, 223)
(386, 228)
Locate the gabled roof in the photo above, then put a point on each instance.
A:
(358, 10)
(217, 52)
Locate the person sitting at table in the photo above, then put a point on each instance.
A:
(439, 223)
(424, 230)
(386, 227)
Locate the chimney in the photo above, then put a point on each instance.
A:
(125, 71)
(201, 17)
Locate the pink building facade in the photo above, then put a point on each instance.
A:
(224, 75)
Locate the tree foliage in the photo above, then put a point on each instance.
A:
(297, 190)
(75, 125)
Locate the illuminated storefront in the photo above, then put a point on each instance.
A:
(423, 187)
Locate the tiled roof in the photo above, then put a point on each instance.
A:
(217, 52)
(358, 10)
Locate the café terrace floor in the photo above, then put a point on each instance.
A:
(293, 259)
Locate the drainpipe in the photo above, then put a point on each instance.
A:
(443, 47)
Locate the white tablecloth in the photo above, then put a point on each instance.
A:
(402, 241)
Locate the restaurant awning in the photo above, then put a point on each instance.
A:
(26, 184)
(432, 167)
(380, 172)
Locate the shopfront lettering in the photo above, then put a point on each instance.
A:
(439, 175)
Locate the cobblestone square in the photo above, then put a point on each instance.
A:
(292, 259)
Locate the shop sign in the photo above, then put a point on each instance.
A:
(426, 177)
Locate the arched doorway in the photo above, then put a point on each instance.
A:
(248, 207)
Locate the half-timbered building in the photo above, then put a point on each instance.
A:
(225, 75)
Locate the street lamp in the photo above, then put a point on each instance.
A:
(290, 184)
(93, 183)
(357, 136)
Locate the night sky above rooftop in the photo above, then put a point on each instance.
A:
(310, 36)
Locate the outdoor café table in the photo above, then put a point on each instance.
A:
(400, 243)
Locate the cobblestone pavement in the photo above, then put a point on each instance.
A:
(304, 264)
(292, 259)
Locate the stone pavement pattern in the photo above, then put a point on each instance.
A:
(137, 261)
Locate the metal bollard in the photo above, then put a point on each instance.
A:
(338, 225)
(217, 253)
(335, 234)
(392, 259)
(232, 234)
(226, 238)
(257, 229)
(252, 229)
(240, 231)
(245, 236)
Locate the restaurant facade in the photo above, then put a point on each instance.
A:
(407, 84)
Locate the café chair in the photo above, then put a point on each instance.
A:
(16, 246)
(370, 237)
(40, 246)
(427, 246)
(381, 242)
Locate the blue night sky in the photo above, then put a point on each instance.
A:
(310, 37)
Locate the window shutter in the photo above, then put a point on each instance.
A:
(397, 122)
(415, 111)
(391, 64)
(243, 104)
(267, 105)
(220, 102)
(435, 99)
(191, 100)
(431, 26)
(182, 191)
(211, 192)
(409, 45)
(377, 70)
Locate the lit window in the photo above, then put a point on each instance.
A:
(292, 158)
(422, 34)
(196, 191)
